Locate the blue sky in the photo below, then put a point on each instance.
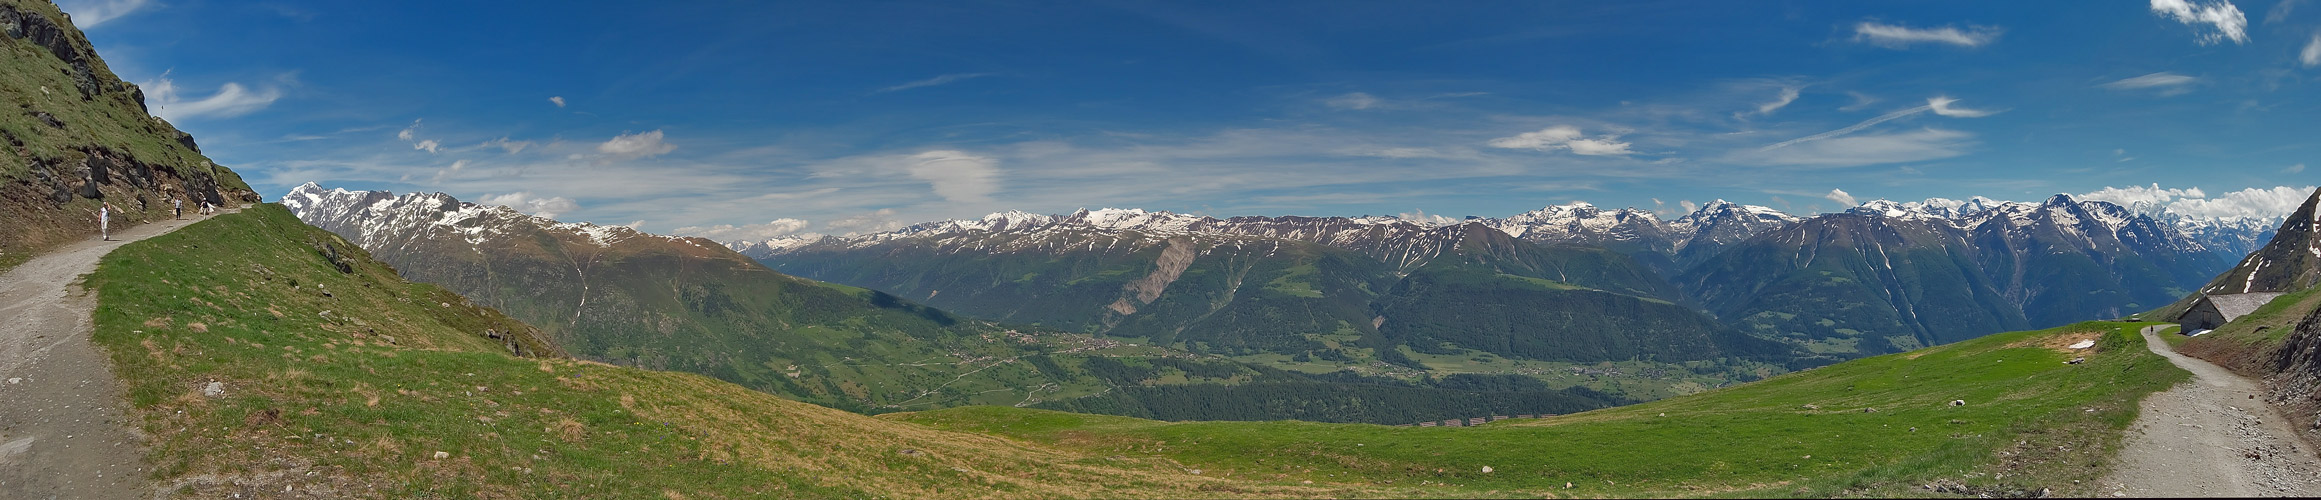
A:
(835, 117)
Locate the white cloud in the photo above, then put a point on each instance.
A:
(2311, 56)
(231, 100)
(881, 220)
(2165, 83)
(1788, 95)
(640, 145)
(411, 134)
(1895, 36)
(746, 232)
(930, 82)
(512, 147)
(2293, 169)
(2252, 202)
(1354, 100)
(559, 100)
(1420, 216)
(1689, 206)
(1565, 137)
(1827, 150)
(447, 171)
(956, 175)
(526, 202)
(1941, 106)
(90, 13)
(2220, 15)
(1840, 196)
(2131, 195)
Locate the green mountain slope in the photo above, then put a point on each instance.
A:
(1311, 294)
(381, 388)
(397, 393)
(78, 135)
(1881, 426)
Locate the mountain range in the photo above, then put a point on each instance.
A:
(621, 296)
(1880, 277)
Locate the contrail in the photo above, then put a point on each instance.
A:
(1850, 129)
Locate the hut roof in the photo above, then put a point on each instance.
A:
(2233, 306)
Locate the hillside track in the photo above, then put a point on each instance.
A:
(63, 433)
(2211, 436)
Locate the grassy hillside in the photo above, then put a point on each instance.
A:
(382, 388)
(395, 392)
(1879, 426)
(77, 134)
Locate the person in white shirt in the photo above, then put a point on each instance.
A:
(105, 221)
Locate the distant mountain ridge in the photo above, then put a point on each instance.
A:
(1995, 266)
(615, 294)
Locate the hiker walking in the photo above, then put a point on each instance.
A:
(177, 208)
(105, 220)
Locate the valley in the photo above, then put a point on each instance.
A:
(804, 305)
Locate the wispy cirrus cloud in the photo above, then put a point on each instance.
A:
(1895, 36)
(2163, 83)
(2221, 19)
(232, 99)
(930, 82)
(90, 13)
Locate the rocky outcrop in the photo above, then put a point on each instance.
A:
(70, 154)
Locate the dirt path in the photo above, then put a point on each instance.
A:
(62, 434)
(2210, 438)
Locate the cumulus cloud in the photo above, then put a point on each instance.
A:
(2165, 83)
(956, 175)
(1896, 36)
(411, 134)
(90, 13)
(746, 232)
(1840, 196)
(1565, 137)
(639, 145)
(930, 82)
(2311, 56)
(526, 202)
(2223, 20)
(231, 100)
(1420, 216)
(1353, 100)
(2132, 195)
(1941, 106)
(881, 220)
(2276, 201)
(559, 100)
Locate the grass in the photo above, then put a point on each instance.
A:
(394, 394)
(386, 389)
(2031, 421)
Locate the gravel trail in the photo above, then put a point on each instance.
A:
(2211, 437)
(62, 430)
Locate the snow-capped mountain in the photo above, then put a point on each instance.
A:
(383, 221)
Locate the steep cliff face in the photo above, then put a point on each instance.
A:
(80, 136)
